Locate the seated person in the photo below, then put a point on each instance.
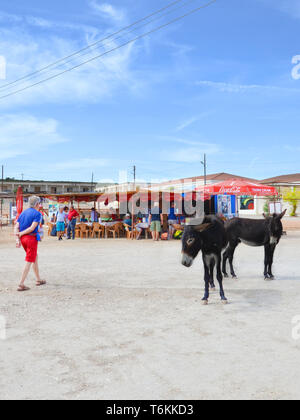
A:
(83, 219)
(128, 221)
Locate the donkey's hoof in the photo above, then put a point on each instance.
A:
(235, 277)
(224, 301)
(225, 276)
(213, 288)
(204, 302)
(269, 277)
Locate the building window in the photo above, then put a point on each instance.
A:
(37, 190)
(53, 190)
(69, 189)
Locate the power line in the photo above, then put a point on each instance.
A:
(113, 39)
(88, 47)
(54, 66)
(111, 50)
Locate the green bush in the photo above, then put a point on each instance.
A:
(292, 197)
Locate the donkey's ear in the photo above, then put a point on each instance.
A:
(202, 228)
(282, 214)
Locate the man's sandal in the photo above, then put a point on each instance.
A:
(41, 283)
(23, 288)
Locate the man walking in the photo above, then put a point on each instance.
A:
(72, 216)
(27, 229)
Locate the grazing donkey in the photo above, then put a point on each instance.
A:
(210, 237)
(266, 232)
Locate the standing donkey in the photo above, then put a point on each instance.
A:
(210, 238)
(266, 232)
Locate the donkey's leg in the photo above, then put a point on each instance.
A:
(272, 250)
(211, 270)
(267, 261)
(220, 279)
(225, 258)
(232, 249)
(206, 279)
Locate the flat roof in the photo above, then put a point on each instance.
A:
(19, 181)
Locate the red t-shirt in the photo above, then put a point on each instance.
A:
(72, 215)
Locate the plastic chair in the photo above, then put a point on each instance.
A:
(84, 230)
(98, 230)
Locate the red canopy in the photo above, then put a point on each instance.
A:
(19, 202)
(239, 187)
(171, 196)
(196, 196)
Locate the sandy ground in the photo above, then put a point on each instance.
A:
(124, 320)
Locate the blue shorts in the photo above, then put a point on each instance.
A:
(60, 227)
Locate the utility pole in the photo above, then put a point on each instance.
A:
(92, 185)
(2, 187)
(134, 176)
(204, 163)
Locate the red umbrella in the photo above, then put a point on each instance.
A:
(239, 187)
(19, 202)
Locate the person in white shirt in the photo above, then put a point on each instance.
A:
(61, 223)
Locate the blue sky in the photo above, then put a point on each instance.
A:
(218, 82)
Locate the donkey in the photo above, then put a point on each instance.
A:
(266, 232)
(210, 237)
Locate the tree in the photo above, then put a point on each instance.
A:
(292, 197)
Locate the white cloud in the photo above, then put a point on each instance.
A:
(37, 21)
(293, 149)
(186, 123)
(193, 153)
(94, 82)
(25, 134)
(188, 154)
(184, 141)
(40, 22)
(241, 88)
(290, 7)
(83, 163)
(9, 18)
(192, 120)
(107, 10)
